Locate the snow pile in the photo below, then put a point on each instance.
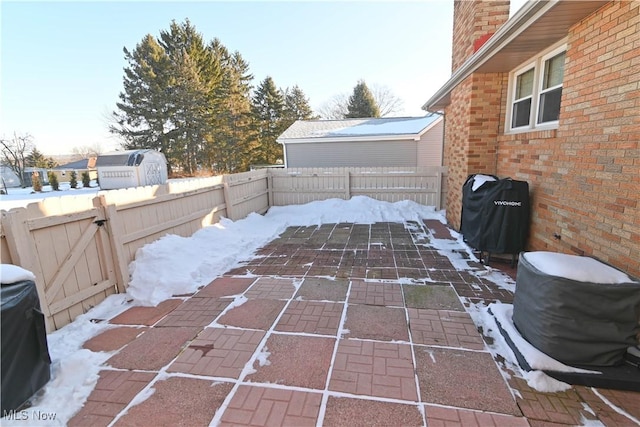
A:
(578, 268)
(10, 273)
(478, 180)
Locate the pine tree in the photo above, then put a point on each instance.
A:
(362, 103)
(143, 115)
(36, 183)
(53, 181)
(73, 182)
(167, 102)
(296, 105)
(269, 113)
(36, 159)
(233, 135)
(86, 179)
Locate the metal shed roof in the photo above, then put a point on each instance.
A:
(358, 129)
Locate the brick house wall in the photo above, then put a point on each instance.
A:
(584, 176)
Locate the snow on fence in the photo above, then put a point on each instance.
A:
(79, 248)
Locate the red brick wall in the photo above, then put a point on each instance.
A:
(585, 176)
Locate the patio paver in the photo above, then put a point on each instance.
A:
(465, 379)
(301, 361)
(178, 401)
(153, 349)
(444, 328)
(112, 393)
(253, 314)
(218, 352)
(225, 287)
(145, 315)
(344, 411)
(195, 312)
(374, 369)
(384, 294)
(375, 322)
(313, 317)
(262, 406)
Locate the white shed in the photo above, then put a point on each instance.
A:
(131, 168)
(368, 142)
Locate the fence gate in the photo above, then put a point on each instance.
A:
(70, 254)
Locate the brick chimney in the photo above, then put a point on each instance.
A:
(474, 21)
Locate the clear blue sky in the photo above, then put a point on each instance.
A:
(62, 62)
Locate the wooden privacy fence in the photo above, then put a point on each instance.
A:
(80, 247)
(303, 185)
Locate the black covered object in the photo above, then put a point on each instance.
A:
(25, 354)
(577, 323)
(495, 216)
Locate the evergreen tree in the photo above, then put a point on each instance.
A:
(36, 183)
(73, 182)
(36, 159)
(269, 114)
(53, 181)
(362, 103)
(296, 106)
(233, 125)
(167, 102)
(143, 116)
(86, 179)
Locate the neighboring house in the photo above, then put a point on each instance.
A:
(400, 141)
(79, 166)
(551, 97)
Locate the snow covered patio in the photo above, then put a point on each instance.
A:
(377, 321)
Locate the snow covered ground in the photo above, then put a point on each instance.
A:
(21, 197)
(179, 265)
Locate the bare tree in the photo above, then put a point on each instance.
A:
(15, 152)
(336, 107)
(387, 101)
(86, 151)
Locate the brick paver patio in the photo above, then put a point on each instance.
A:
(336, 325)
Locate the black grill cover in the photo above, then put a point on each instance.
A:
(25, 354)
(577, 323)
(495, 217)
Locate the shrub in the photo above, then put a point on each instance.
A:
(53, 181)
(86, 179)
(35, 182)
(73, 182)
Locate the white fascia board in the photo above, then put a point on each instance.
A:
(431, 125)
(529, 13)
(363, 138)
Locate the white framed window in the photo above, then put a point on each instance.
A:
(535, 92)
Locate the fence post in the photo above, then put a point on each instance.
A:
(228, 203)
(116, 231)
(439, 189)
(23, 253)
(269, 188)
(347, 184)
